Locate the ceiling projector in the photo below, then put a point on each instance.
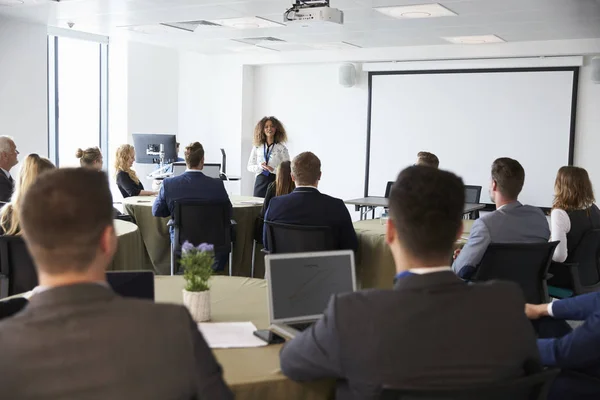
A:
(306, 12)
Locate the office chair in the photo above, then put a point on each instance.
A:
(472, 196)
(17, 269)
(288, 238)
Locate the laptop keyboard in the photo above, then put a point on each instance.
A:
(301, 326)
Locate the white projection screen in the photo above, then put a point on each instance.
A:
(470, 118)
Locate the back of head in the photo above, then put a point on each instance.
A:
(427, 159)
(426, 207)
(6, 143)
(194, 155)
(33, 166)
(509, 176)
(89, 157)
(63, 218)
(573, 189)
(283, 181)
(306, 169)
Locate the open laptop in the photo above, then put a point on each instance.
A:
(137, 284)
(300, 286)
(210, 170)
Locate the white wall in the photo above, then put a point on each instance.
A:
(24, 86)
(320, 116)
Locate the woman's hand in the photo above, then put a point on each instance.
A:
(266, 167)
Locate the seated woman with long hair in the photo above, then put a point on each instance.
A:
(283, 185)
(573, 211)
(90, 158)
(127, 180)
(33, 166)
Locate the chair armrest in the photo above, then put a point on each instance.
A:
(171, 223)
(233, 222)
(265, 251)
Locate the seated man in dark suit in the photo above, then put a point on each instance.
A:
(77, 339)
(8, 159)
(512, 222)
(578, 350)
(307, 206)
(432, 329)
(191, 185)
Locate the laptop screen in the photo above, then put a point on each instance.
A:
(137, 284)
(300, 285)
(179, 168)
(212, 170)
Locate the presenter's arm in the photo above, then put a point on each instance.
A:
(160, 208)
(314, 353)
(253, 165)
(472, 253)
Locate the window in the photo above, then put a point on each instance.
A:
(78, 103)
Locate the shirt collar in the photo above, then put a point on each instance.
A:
(308, 186)
(41, 289)
(193, 170)
(421, 271)
(6, 172)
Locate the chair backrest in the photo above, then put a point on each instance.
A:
(472, 194)
(523, 263)
(532, 387)
(17, 269)
(203, 222)
(587, 257)
(388, 189)
(287, 238)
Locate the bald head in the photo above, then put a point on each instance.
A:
(8, 153)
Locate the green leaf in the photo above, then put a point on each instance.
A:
(197, 270)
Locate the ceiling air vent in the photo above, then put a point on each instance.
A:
(189, 26)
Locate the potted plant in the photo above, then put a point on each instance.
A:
(197, 269)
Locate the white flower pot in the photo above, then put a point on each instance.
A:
(198, 303)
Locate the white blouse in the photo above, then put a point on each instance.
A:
(560, 225)
(279, 154)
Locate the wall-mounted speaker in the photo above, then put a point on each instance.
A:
(596, 69)
(347, 75)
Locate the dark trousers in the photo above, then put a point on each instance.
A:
(261, 183)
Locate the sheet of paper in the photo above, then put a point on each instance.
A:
(229, 335)
(252, 202)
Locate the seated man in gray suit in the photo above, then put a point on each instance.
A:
(512, 222)
(432, 329)
(77, 339)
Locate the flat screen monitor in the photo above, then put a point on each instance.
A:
(147, 148)
(212, 170)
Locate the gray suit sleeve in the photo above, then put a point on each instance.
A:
(473, 252)
(314, 354)
(209, 382)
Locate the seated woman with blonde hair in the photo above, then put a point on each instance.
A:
(90, 158)
(33, 166)
(127, 180)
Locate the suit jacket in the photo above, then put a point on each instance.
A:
(430, 330)
(513, 223)
(6, 187)
(85, 342)
(308, 206)
(188, 186)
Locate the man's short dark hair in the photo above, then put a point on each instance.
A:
(194, 154)
(428, 159)
(63, 217)
(426, 206)
(306, 168)
(509, 176)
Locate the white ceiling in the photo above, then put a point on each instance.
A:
(511, 20)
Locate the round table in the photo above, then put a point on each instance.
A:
(375, 267)
(155, 233)
(252, 373)
(130, 255)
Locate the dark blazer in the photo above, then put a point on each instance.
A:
(127, 186)
(188, 186)
(430, 330)
(308, 206)
(6, 187)
(85, 342)
(580, 349)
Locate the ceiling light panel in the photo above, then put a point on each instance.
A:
(418, 11)
(478, 39)
(10, 3)
(247, 23)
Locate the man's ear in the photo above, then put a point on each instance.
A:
(293, 177)
(320, 174)
(390, 232)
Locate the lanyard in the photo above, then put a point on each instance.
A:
(267, 151)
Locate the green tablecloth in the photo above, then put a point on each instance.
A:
(131, 254)
(252, 373)
(155, 233)
(375, 266)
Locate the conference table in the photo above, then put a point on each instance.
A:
(368, 204)
(375, 266)
(131, 254)
(157, 241)
(252, 373)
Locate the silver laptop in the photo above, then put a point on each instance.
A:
(210, 170)
(300, 286)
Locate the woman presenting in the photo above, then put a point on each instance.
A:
(268, 152)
